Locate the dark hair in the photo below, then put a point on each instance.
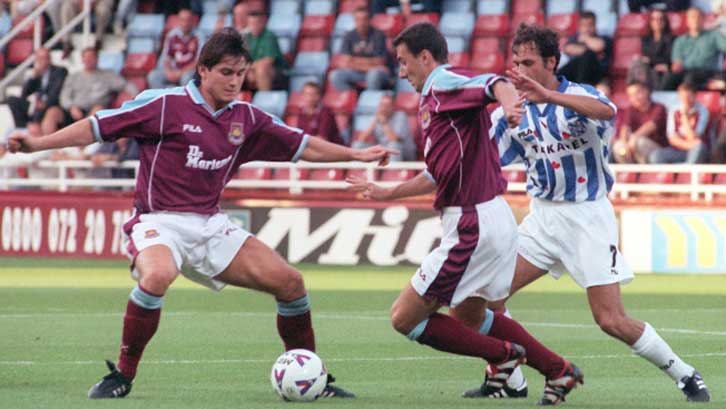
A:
(687, 86)
(227, 42)
(362, 9)
(424, 36)
(257, 13)
(666, 28)
(640, 84)
(588, 14)
(546, 41)
(313, 84)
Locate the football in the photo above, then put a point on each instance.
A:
(299, 375)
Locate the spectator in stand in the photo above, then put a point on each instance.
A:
(588, 53)
(269, 65)
(40, 91)
(643, 127)
(687, 131)
(315, 118)
(656, 46)
(122, 150)
(179, 56)
(240, 15)
(84, 93)
(718, 7)
(390, 129)
(406, 7)
(696, 53)
(102, 10)
(366, 56)
(636, 6)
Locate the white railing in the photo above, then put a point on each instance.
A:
(35, 17)
(295, 184)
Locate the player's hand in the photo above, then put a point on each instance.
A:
(530, 89)
(20, 141)
(513, 112)
(376, 153)
(367, 189)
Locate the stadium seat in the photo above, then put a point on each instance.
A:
(514, 176)
(668, 98)
(311, 63)
(285, 25)
(407, 102)
(287, 46)
(285, 7)
(457, 44)
(486, 55)
(291, 120)
(294, 104)
(598, 6)
(565, 24)
(147, 25)
(492, 7)
(432, 18)
(254, 173)
(704, 5)
(491, 25)
(533, 18)
(210, 7)
(527, 6)
(312, 44)
(324, 174)
(390, 24)
(626, 177)
(625, 50)
(632, 24)
(208, 21)
(460, 59)
(348, 6)
(272, 102)
(677, 21)
(298, 81)
(361, 122)
(27, 32)
(319, 8)
(396, 175)
(711, 100)
(607, 23)
(286, 173)
(141, 45)
(656, 177)
(335, 45)
(148, 6)
(2, 65)
(457, 24)
(245, 96)
(402, 85)
(361, 173)
(561, 7)
(139, 64)
(340, 101)
(456, 6)
(343, 24)
(18, 49)
(111, 61)
(685, 178)
(317, 26)
(368, 101)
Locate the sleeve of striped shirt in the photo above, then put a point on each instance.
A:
(273, 140)
(592, 92)
(139, 118)
(453, 92)
(510, 151)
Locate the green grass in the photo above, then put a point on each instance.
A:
(59, 319)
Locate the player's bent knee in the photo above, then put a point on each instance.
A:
(291, 287)
(399, 320)
(158, 280)
(608, 323)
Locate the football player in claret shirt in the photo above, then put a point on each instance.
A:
(476, 258)
(192, 140)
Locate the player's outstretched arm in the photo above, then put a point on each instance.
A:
(77, 134)
(320, 150)
(511, 102)
(419, 185)
(534, 92)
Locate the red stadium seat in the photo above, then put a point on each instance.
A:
(626, 48)
(292, 120)
(139, 81)
(18, 50)
(312, 44)
(396, 175)
(528, 18)
(361, 173)
(294, 103)
(459, 59)
(340, 101)
(720, 179)
(527, 6)
(317, 26)
(685, 178)
(251, 173)
(407, 102)
(390, 24)
(349, 6)
(28, 30)
(485, 45)
(632, 24)
(147, 6)
(656, 177)
(491, 25)
(432, 18)
(677, 21)
(492, 61)
(565, 24)
(139, 63)
(284, 173)
(711, 100)
(626, 177)
(325, 174)
(2, 65)
(245, 96)
(514, 176)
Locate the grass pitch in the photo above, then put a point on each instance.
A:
(59, 319)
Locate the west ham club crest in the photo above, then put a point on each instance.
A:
(236, 135)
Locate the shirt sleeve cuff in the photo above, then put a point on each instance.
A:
(96, 129)
(428, 176)
(489, 87)
(301, 148)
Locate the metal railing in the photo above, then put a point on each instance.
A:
(296, 184)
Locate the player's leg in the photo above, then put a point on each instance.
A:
(156, 268)
(525, 273)
(607, 309)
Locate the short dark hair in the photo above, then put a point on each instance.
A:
(313, 84)
(640, 83)
(687, 86)
(546, 41)
(588, 14)
(361, 9)
(424, 36)
(227, 42)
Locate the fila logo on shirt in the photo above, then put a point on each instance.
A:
(194, 160)
(192, 128)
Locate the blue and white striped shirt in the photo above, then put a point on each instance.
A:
(565, 153)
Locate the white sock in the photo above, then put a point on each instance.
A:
(516, 380)
(653, 348)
